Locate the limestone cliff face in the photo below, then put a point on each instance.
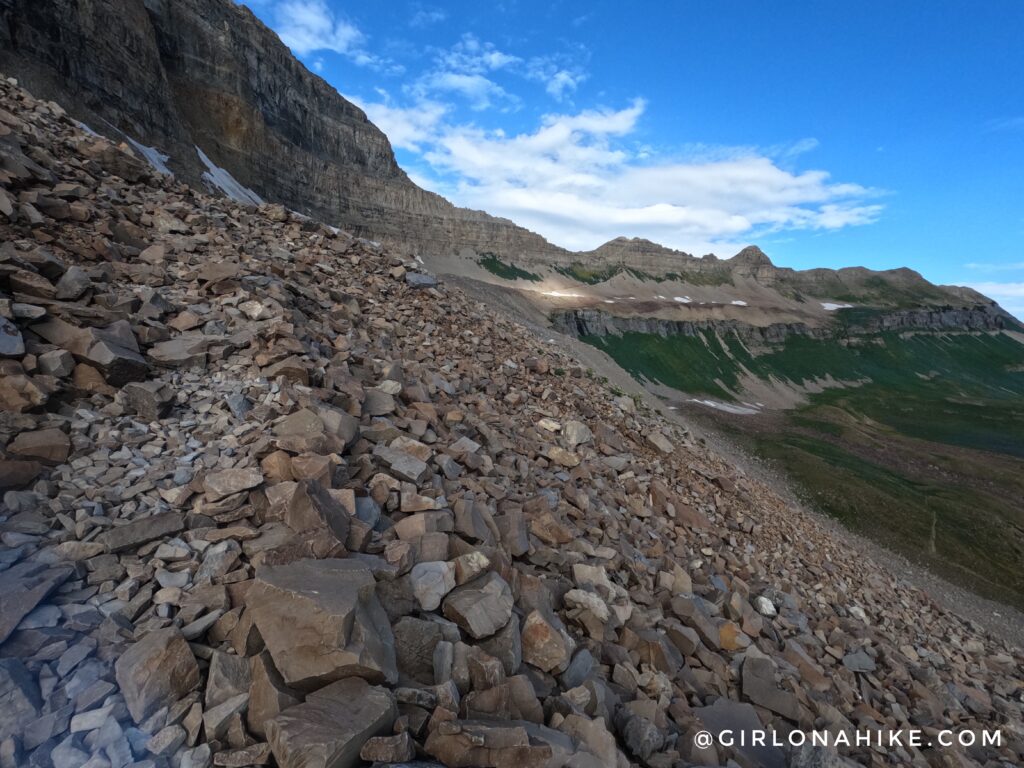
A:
(182, 74)
(177, 74)
(985, 317)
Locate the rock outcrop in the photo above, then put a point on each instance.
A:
(595, 322)
(215, 567)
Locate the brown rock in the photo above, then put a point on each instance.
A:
(230, 481)
(759, 687)
(545, 645)
(481, 607)
(321, 621)
(389, 749)
(269, 695)
(156, 671)
(50, 446)
(15, 474)
(331, 727)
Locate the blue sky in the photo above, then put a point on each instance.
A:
(831, 134)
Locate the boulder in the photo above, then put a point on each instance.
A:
(311, 507)
(481, 607)
(331, 727)
(321, 621)
(230, 481)
(431, 582)
(546, 645)
(15, 473)
(49, 446)
(155, 672)
(759, 688)
(269, 695)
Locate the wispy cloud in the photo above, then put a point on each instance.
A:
(423, 16)
(310, 26)
(466, 69)
(559, 76)
(1005, 124)
(1010, 296)
(577, 180)
(1011, 266)
(481, 92)
(406, 128)
(578, 176)
(473, 56)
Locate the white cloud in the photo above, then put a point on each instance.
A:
(308, 26)
(580, 177)
(425, 17)
(575, 182)
(1010, 296)
(562, 81)
(986, 267)
(479, 91)
(560, 77)
(472, 56)
(406, 127)
(465, 69)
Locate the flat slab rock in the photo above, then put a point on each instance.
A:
(138, 532)
(330, 728)
(22, 588)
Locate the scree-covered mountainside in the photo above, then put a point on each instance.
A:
(274, 495)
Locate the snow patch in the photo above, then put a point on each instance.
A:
(738, 303)
(152, 155)
(564, 294)
(609, 301)
(828, 306)
(727, 407)
(227, 183)
(681, 299)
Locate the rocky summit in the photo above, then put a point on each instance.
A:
(272, 495)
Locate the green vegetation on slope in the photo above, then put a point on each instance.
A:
(969, 535)
(923, 450)
(594, 275)
(961, 389)
(497, 267)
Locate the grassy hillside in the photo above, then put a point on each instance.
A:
(961, 389)
(923, 450)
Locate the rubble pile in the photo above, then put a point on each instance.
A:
(272, 496)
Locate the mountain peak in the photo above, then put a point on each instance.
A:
(753, 256)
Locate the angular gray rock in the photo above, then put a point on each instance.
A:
(22, 588)
(141, 531)
(20, 700)
(11, 342)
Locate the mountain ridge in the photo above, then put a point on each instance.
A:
(176, 77)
